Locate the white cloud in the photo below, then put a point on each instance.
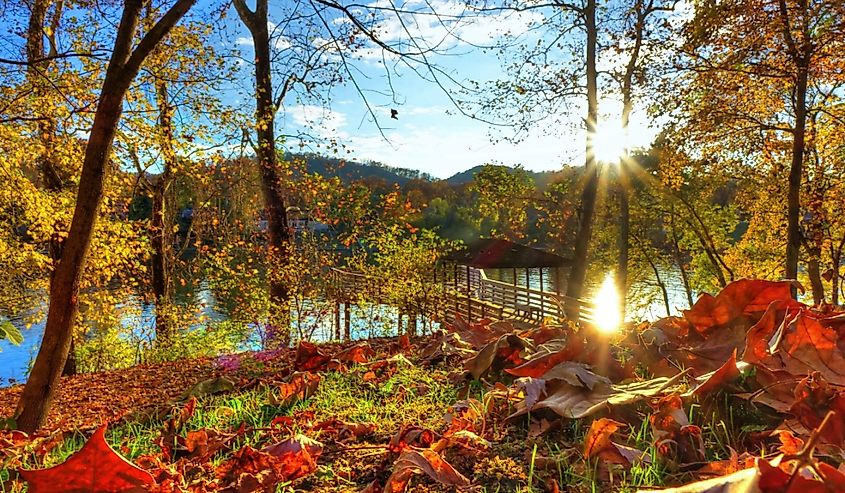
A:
(440, 25)
(280, 41)
(321, 121)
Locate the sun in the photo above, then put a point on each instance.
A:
(607, 317)
(610, 143)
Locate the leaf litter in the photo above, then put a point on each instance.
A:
(764, 367)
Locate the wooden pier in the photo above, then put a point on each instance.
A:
(469, 294)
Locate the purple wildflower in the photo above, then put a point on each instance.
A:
(267, 355)
(228, 362)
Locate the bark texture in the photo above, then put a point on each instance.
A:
(271, 186)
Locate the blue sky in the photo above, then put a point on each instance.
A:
(430, 134)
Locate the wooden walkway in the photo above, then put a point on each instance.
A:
(471, 295)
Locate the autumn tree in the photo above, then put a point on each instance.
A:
(638, 33)
(176, 118)
(126, 59)
(502, 196)
(759, 73)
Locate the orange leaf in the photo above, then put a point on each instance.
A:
(309, 357)
(297, 456)
(743, 297)
(359, 353)
(299, 385)
(725, 374)
(96, 468)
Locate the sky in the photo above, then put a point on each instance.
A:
(430, 134)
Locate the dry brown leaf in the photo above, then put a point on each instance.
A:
(576, 402)
(598, 444)
(426, 461)
(724, 375)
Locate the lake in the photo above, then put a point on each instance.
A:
(138, 318)
(366, 321)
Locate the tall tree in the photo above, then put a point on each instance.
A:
(256, 21)
(580, 255)
(639, 33)
(760, 68)
(126, 60)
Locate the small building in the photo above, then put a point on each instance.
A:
(534, 291)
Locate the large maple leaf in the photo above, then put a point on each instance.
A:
(718, 325)
(96, 468)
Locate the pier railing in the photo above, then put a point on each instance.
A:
(473, 296)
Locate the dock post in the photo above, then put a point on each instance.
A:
(337, 320)
(347, 322)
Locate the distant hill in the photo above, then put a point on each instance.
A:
(541, 178)
(464, 176)
(349, 171)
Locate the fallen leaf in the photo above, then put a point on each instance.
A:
(310, 357)
(298, 386)
(742, 298)
(598, 444)
(674, 437)
(297, 456)
(463, 415)
(497, 355)
(359, 353)
(411, 436)
(724, 375)
(789, 443)
(216, 385)
(814, 398)
(423, 461)
(96, 468)
(574, 402)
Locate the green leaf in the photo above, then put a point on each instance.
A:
(10, 332)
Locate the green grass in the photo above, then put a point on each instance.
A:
(419, 396)
(412, 395)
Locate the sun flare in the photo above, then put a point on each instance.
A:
(609, 143)
(607, 316)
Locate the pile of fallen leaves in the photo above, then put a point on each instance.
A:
(752, 347)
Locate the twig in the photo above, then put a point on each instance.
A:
(805, 456)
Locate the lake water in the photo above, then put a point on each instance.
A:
(645, 303)
(138, 318)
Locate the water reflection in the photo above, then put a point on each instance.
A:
(644, 301)
(137, 317)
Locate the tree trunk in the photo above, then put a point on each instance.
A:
(161, 237)
(44, 379)
(271, 188)
(623, 240)
(815, 275)
(662, 285)
(834, 279)
(580, 257)
(46, 164)
(676, 253)
(800, 51)
(37, 68)
(793, 235)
